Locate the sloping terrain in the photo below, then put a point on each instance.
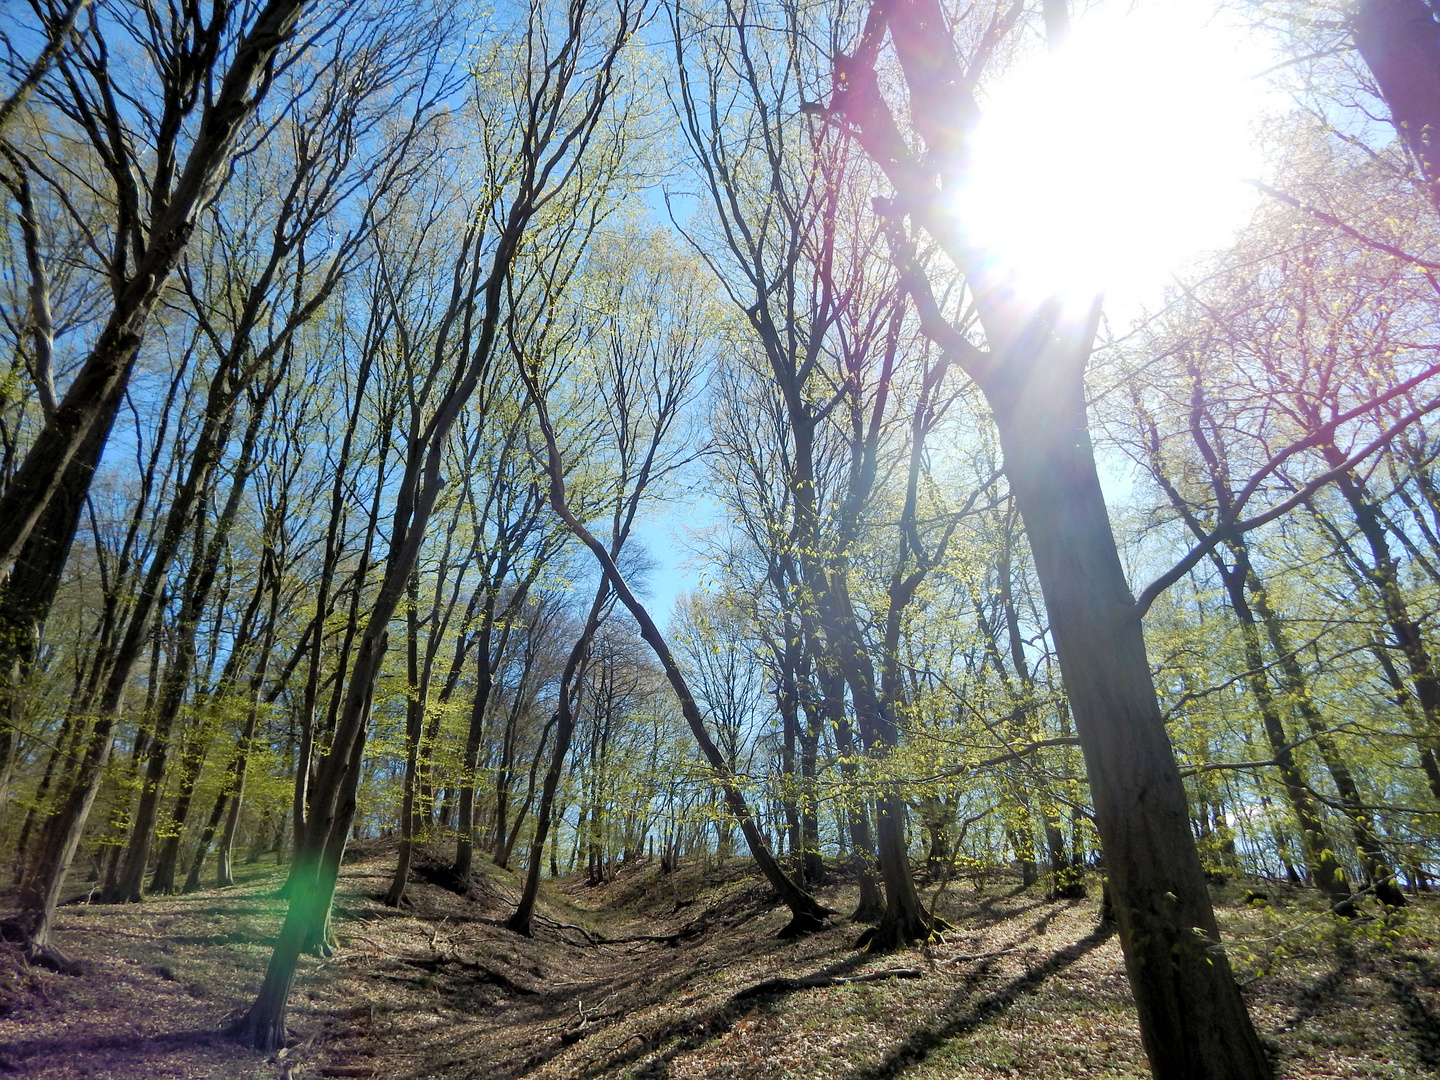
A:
(682, 976)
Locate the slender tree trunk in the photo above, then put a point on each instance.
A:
(871, 905)
(1383, 574)
(475, 735)
(195, 595)
(234, 790)
(564, 724)
(1319, 856)
(1379, 875)
(502, 857)
(192, 762)
(312, 890)
(414, 729)
(806, 913)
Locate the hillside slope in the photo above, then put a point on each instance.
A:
(681, 976)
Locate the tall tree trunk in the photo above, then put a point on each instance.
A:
(871, 905)
(210, 545)
(1378, 873)
(806, 913)
(233, 792)
(192, 762)
(475, 735)
(414, 729)
(1193, 1022)
(564, 723)
(313, 889)
(1399, 40)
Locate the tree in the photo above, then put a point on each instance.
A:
(646, 378)
(565, 72)
(249, 330)
(1399, 40)
(211, 74)
(1193, 1022)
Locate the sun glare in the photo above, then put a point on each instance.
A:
(1108, 163)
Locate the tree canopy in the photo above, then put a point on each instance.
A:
(357, 352)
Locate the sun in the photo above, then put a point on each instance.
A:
(1103, 166)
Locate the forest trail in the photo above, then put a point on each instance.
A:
(672, 976)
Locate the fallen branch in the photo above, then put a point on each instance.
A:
(592, 938)
(811, 982)
(436, 935)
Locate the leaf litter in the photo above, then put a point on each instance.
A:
(681, 976)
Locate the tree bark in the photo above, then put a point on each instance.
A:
(1319, 856)
(414, 729)
(95, 392)
(1193, 1022)
(1399, 40)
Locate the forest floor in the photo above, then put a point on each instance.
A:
(660, 976)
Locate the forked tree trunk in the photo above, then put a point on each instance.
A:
(167, 859)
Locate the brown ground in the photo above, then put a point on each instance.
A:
(647, 978)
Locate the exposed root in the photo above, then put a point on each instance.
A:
(868, 913)
(804, 922)
(46, 956)
(890, 933)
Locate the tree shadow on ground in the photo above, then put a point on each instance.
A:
(955, 1023)
(1311, 1000)
(695, 1031)
(1423, 1025)
(20, 1050)
(987, 915)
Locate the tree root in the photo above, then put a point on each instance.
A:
(868, 913)
(805, 922)
(893, 933)
(46, 956)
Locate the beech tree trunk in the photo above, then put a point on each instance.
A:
(564, 724)
(1399, 40)
(1193, 1021)
(414, 729)
(1319, 855)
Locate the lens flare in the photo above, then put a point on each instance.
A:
(1104, 165)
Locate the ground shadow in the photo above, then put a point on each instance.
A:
(20, 1050)
(1423, 1025)
(954, 1024)
(694, 1032)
